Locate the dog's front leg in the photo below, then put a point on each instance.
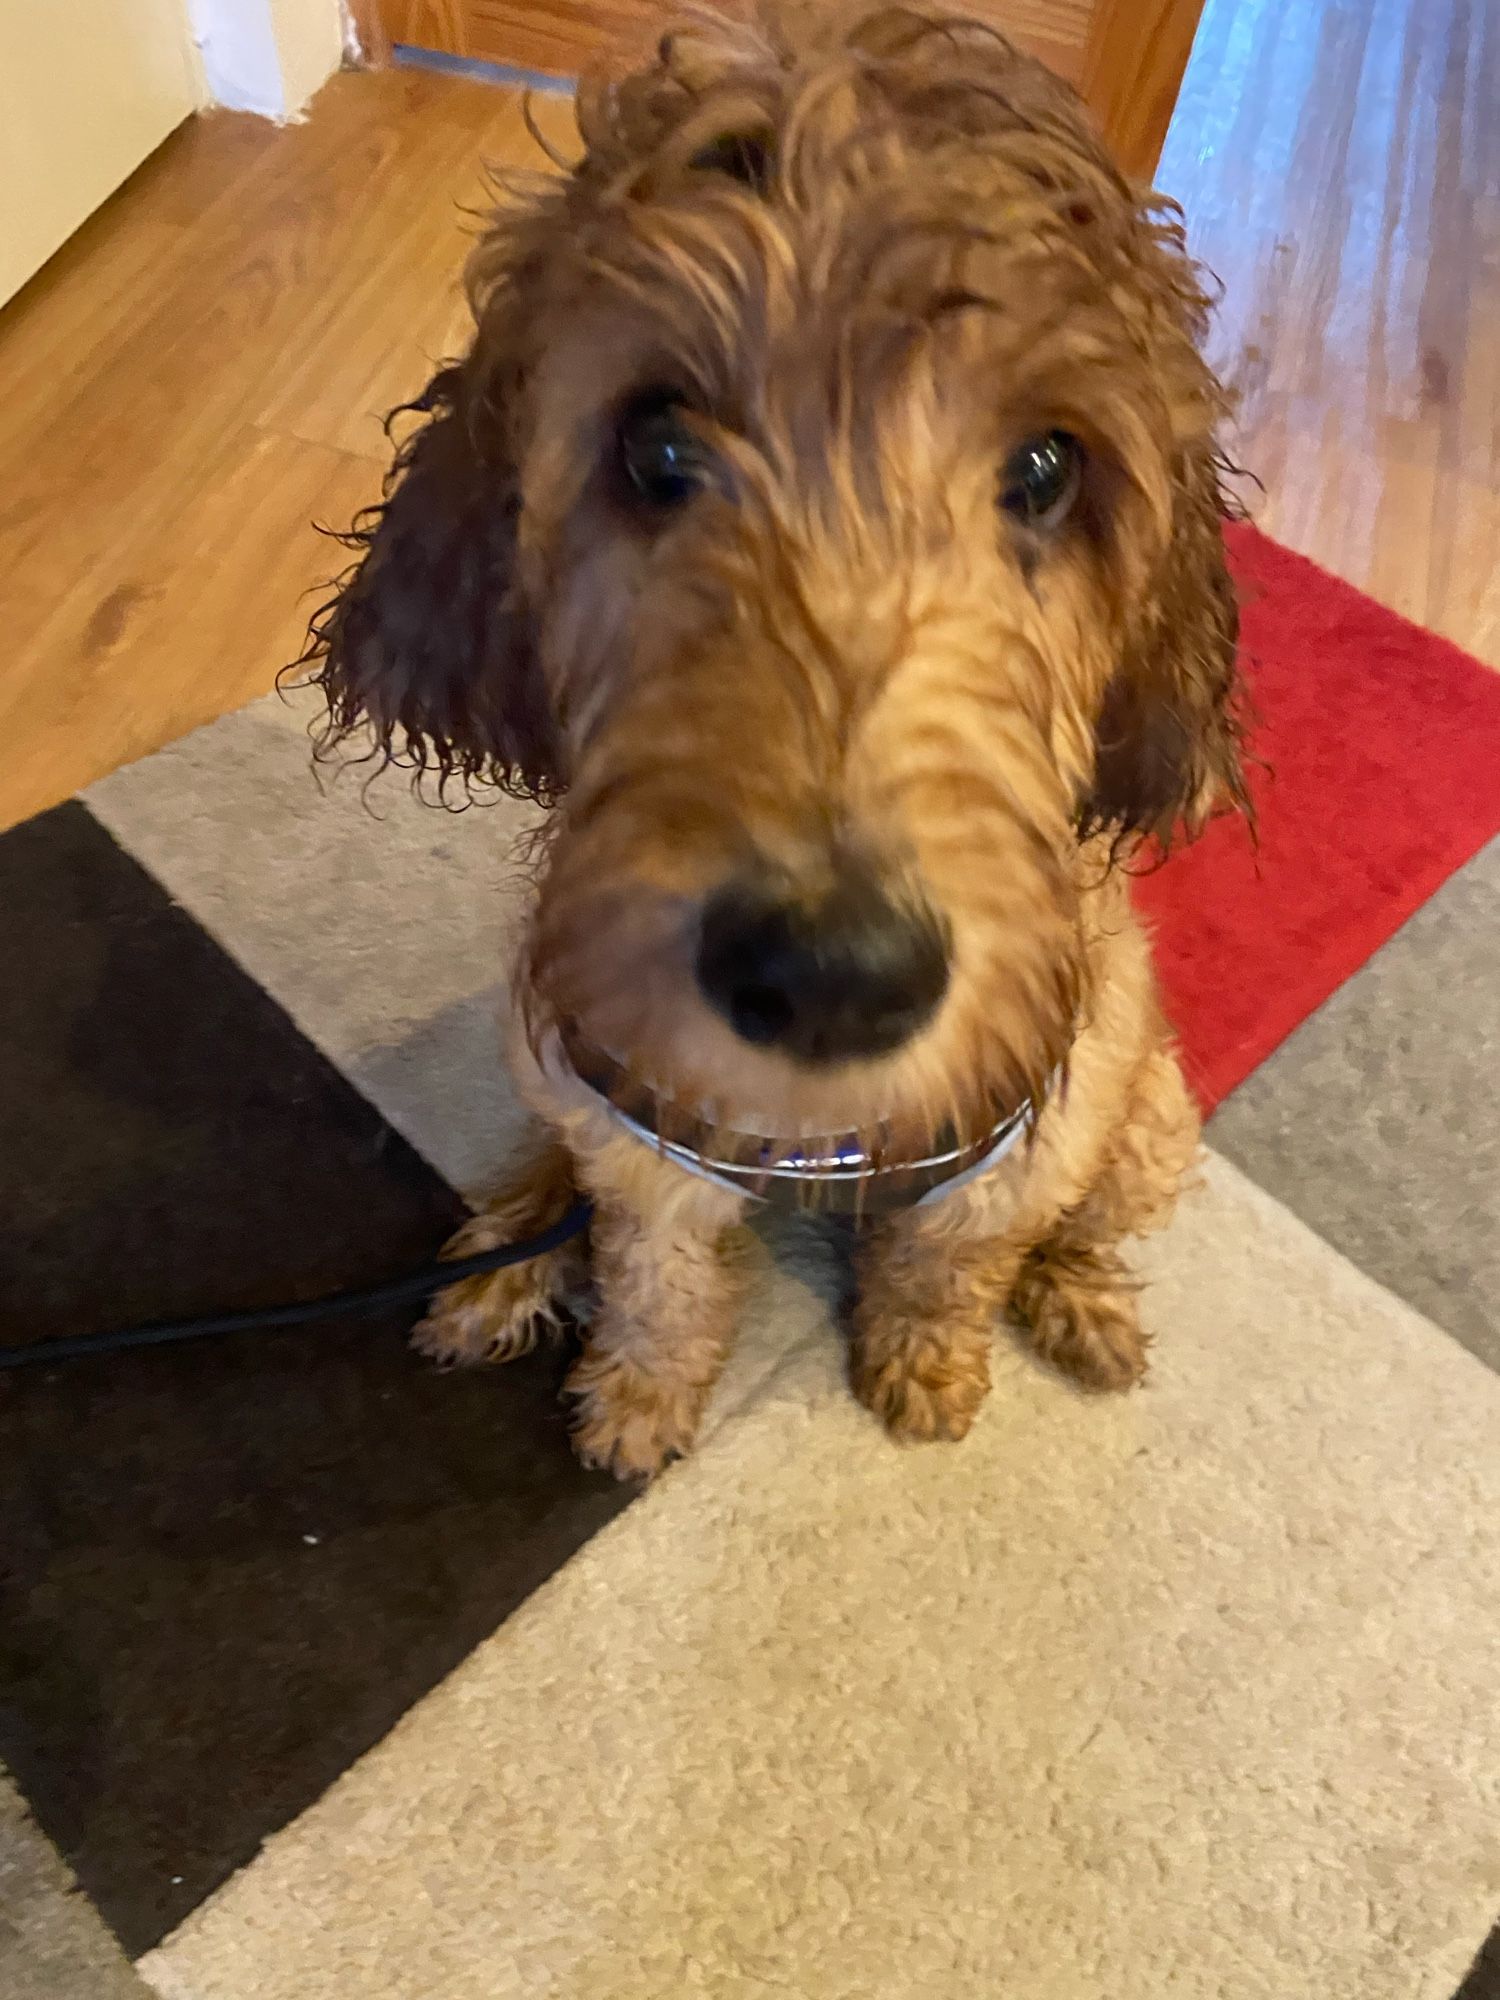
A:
(667, 1275)
(503, 1313)
(929, 1300)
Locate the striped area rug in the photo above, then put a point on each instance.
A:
(325, 1677)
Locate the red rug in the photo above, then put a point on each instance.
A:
(1383, 744)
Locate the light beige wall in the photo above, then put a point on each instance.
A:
(310, 42)
(87, 89)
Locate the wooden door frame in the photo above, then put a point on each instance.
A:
(1131, 73)
(1133, 68)
(370, 30)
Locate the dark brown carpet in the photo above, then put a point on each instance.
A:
(228, 1568)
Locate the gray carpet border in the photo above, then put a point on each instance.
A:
(1378, 1121)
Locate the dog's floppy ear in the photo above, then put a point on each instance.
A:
(1168, 738)
(426, 643)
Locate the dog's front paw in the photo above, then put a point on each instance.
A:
(501, 1314)
(630, 1421)
(923, 1391)
(1085, 1321)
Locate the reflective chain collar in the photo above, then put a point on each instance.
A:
(832, 1175)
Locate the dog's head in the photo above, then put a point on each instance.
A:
(825, 518)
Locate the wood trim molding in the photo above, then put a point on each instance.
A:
(371, 32)
(1133, 69)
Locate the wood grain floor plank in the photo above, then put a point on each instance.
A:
(1340, 165)
(359, 357)
(192, 381)
(192, 614)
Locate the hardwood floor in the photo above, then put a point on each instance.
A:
(1339, 161)
(193, 380)
(201, 370)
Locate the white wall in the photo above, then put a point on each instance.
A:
(267, 55)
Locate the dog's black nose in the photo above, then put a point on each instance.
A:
(852, 975)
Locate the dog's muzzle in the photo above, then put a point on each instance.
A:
(848, 1175)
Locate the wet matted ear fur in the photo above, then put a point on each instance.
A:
(425, 643)
(1169, 739)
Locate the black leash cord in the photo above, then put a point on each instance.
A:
(365, 1298)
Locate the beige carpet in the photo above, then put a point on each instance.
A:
(1192, 1694)
(53, 1943)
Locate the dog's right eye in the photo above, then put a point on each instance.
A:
(664, 460)
(744, 156)
(1042, 480)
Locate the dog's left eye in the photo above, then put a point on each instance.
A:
(664, 460)
(1041, 480)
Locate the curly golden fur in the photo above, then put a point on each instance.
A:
(863, 263)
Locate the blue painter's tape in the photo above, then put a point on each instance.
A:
(483, 72)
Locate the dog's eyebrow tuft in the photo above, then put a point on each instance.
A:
(743, 156)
